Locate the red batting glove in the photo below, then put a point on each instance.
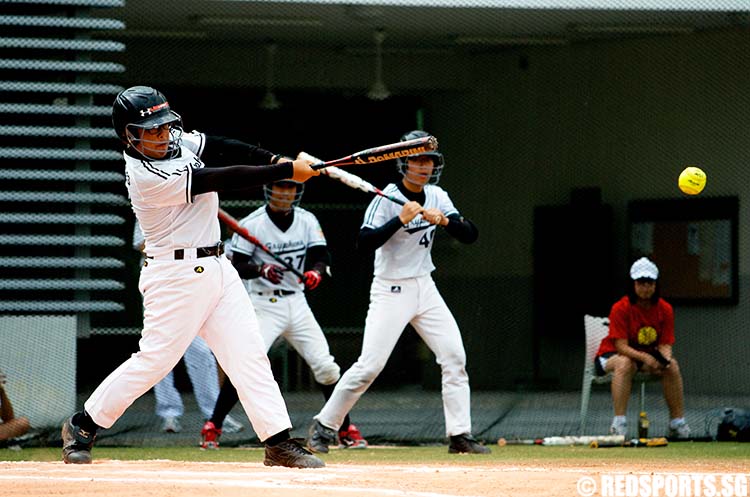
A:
(312, 279)
(272, 272)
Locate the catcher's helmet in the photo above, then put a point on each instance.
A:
(437, 157)
(145, 108)
(284, 202)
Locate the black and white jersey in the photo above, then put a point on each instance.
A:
(407, 254)
(291, 245)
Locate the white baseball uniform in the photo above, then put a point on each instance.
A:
(200, 365)
(282, 308)
(403, 292)
(188, 296)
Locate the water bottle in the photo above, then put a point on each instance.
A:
(643, 425)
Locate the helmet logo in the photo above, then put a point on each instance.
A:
(151, 110)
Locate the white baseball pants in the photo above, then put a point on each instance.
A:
(201, 368)
(393, 304)
(290, 316)
(182, 299)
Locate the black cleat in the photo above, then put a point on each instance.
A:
(77, 443)
(320, 437)
(466, 444)
(291, 454)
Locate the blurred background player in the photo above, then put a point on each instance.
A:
(188, 287)
(201, 368)
(11, 426)
(402, 293)
(641, 335)
(278, 296)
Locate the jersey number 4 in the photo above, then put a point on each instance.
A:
(427, 238)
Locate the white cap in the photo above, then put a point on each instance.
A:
(644, 268)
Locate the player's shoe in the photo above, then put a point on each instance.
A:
(171, 425)
(679, 430)
(291, 454)
(320, 437)
(466, 444)
(210, 436)
(352, 438)
(619, 428)
(231, 425)
(76, 443)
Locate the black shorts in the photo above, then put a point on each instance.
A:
(598, 365)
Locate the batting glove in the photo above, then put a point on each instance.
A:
(312, 279)
(272, 272)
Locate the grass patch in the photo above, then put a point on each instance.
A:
(675, 452)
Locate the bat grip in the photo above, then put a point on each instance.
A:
(319, 165)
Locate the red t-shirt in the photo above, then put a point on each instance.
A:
(644, 329)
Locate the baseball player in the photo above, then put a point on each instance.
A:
(188, 288)
(403, 292)
(278, 296)
(201, 368)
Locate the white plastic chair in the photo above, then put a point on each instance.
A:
(596, 329)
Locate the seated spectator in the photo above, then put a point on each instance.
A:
(11, 426)
(641, 335)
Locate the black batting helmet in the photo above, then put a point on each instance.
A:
(437, 157)
(147, 108)
(284, 202)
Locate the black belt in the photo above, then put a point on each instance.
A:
(278, 293)
(212, 251)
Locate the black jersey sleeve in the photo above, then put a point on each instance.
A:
(318, 258)
(237, 178)
(245, 266)
(220, 151)
(462, 229)
(371, 239)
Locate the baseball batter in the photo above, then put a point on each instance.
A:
(278, 296)
(403, 292)
(188, 288)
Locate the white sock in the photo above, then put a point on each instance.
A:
(619, 420)
(675, 422)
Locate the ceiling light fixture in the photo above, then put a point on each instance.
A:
(270, 102)
(379, 90)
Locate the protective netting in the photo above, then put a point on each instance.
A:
(564, 131)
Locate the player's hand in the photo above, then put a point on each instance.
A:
(651, 362)
(434, 216)
(312, 279)
(272, 272)
(409, 211)
(302, 170)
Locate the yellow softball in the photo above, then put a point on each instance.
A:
(692, 180)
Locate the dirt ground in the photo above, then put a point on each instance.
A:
(110, 478)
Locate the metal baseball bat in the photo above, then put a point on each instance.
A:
(235, 226)
(567, 440)
(385, 152)
(351, 180)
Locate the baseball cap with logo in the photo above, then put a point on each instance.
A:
(644, 268)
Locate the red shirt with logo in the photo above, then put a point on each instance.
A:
(644, 329)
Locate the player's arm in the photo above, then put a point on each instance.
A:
(462, 229)
(317, 260)
(248, 269)
(371, 239)
(220, 151)
(242, 178)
